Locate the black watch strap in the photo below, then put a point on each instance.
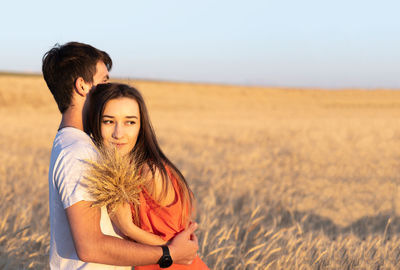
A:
(165, 260)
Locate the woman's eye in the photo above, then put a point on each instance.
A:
(107, 122)
(131, 122)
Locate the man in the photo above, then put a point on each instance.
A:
(82, 237)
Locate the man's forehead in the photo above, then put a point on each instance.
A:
(101, 69)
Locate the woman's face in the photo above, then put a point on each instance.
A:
(120, 124)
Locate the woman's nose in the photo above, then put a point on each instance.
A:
(118, 131)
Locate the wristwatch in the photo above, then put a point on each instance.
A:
(165, 260)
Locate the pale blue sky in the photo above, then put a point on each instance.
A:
(330, 44)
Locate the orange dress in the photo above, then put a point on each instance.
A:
(164, 221)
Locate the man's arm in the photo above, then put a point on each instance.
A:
(93, 246)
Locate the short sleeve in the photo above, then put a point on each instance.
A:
(70, 172)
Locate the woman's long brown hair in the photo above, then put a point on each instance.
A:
(147, 150)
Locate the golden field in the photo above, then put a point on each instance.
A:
(284, 178)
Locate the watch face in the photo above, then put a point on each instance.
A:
(166, 261)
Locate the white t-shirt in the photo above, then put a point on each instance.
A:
(70, 148)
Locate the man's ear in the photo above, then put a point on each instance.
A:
(81, 87)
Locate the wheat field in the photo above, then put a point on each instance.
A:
(284, 178)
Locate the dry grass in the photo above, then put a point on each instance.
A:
(284, 178)
(113, 179)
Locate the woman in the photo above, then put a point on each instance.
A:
(118, 118)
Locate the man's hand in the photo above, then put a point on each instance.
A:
(184, 246)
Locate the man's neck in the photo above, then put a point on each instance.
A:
(72, 118)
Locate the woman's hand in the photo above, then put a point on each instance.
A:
(122, 217)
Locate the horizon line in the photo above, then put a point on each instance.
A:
(281, 87)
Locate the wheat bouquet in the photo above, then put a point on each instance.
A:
(113, 179)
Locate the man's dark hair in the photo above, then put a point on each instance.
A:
(64, 64)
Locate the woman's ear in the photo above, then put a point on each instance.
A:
(81, 87)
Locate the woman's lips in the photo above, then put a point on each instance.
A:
(118, 145)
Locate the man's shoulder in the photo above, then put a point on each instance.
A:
(74, 143)
(71, 151)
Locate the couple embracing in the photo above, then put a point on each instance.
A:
(158, 232)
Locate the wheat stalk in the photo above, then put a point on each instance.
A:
(113, 179)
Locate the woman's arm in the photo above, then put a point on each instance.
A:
(122, 218)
